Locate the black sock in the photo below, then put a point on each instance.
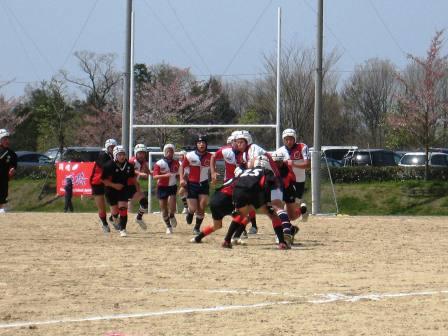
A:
(232, 228)
(198, 223)
(279, 232)
(253, 221)
(123, 222)
(239, 231)
(167, 221)
(104, 221)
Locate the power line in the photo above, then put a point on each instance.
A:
(247, 37)
(171, 35)
(29, 37)
(387, 28)
(80, 32)
(196, 49)
(22, 44)
(331, 32)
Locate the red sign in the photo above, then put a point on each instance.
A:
(80, 174)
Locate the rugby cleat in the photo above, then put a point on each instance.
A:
(105, 228)
(115, 221)
(288, 239)
(253, 230)
(169, 230)
(238, 241)
(185, 211)
(173, 222)
(282, 246)
(139, 220)
(294, 230)
(195, 240)
(226, 244)
(123, 233)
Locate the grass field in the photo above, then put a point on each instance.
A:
(60, 275)
(386, 198)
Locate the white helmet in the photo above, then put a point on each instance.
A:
(139, 148)
(117, 150)
(110, 142)
(262, 161)
(244, 135)
(289, 132)
(166, 147)
(278, 156)
(230, 139)
(3, 133)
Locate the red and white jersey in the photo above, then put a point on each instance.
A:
(139, 166)
(298, 154)
(250, 153)
(199, 166)
(163, 166)
(227, 154)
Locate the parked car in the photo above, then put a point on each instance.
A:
(74, 154)
(416, 159)
(330, 162)
(336, 152)
(371, 157)
(32, 159)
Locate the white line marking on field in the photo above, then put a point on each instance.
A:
(316, 299)
(145, 314)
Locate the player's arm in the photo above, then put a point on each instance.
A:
(182, 167)
(213, 172)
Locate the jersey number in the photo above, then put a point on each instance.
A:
(251, 172)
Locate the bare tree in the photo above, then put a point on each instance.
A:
(102, 78)
(369, 92)
(422, 106)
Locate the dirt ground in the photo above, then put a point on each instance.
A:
(60, 275)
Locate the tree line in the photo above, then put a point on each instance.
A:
(377, 106)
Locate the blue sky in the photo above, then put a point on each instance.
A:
(227, 37)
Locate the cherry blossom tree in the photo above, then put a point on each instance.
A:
(174, 97)
(421, 106)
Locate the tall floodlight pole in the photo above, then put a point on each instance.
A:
(279, 44)
(316, 153)
(127, 80)
(132, 89)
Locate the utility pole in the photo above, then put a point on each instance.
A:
(279, 45)
(316, 153)
(125, 120)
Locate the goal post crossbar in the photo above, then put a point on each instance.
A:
(206, 126)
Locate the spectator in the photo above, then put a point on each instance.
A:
(68, 205)
(8, 165)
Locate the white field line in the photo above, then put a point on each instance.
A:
(316, 299)
(144, 314)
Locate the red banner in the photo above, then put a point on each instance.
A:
(79, 172)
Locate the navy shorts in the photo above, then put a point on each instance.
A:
(114, 196)
(165, 192)
(289, 194)
(196, 189)
(97, 189)
(221, 205)
(300, 189)
(131, 190)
